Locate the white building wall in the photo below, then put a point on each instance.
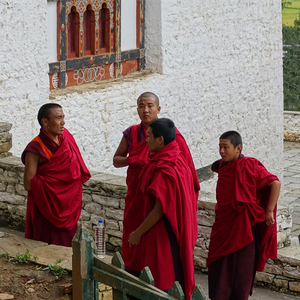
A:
(217, 66)
(51, 29)
(23, 67)
(128, 25)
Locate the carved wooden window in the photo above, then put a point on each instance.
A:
(104, 21)
(89, 31)
(73, 33)
(88, 45)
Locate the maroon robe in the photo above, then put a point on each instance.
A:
(242, 198)
(168, 179)
(54, 202)
(137, 159)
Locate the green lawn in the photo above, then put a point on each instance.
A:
(290, 13)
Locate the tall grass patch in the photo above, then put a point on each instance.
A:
(291, 13)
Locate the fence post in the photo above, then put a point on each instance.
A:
(176, 291)
(146, 275)
(84, 287)
(117, 261)
(198, 293)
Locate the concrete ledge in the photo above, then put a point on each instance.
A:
(46, 254)
(13, 245)
(103, 197)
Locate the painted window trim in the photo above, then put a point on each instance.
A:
(116, 57)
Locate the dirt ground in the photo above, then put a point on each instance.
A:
(26, 282)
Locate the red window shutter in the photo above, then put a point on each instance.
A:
(73, 33)
(104, 29)
(89, 31)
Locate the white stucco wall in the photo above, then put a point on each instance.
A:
(24, 68)
(217, 66)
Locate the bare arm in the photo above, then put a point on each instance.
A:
(31, 165)
(120, 157)
(154, 216)
(274, 195)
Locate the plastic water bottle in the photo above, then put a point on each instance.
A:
(100, 239)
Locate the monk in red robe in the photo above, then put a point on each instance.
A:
(134, 143)
(167, 232)
(53, 177)
(244, 233)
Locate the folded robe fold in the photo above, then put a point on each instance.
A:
(167, 178)
(138, 157)
(242, 198)
(56, 189)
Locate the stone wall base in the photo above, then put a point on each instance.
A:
(103, 197)
(291, 126)
(282, 274)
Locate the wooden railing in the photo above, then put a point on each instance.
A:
(88, 270)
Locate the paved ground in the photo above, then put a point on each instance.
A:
(291, 192)
(291, 183)
(14, 243)
(258, 293)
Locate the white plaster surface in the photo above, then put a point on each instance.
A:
(128, 25)
(216, 66)
(52, 31)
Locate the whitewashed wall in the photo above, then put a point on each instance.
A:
(216, 66)
(23, 67)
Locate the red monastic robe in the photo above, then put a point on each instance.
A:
(242, 198)
(56, 190)
(137, 159)
(167, 178)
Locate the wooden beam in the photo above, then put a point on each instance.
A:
(63, 40)
(130, 54)
(142, 34)
(118, 38)
(85, 62)
(137, 289)
(100, 264)
(84, 287)
(117, 261)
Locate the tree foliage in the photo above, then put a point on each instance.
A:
(291, 66)
(285, 3)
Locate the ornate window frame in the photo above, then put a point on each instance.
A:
(91, 68)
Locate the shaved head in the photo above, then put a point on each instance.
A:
(148, 95)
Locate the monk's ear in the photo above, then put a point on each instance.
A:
(239, 148)
(161, 140)
(44, 122)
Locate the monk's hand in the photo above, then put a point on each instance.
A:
(134, 239)
(270, 218)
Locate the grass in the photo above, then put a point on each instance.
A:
(23, 258)
(290, 13)
(56, 270)
(27, 258)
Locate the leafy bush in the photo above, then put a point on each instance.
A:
(56, 270)
(23, 258)
(291, 66)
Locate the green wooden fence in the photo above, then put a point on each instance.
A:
(88, 270)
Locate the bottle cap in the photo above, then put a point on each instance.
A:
(100, 221)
